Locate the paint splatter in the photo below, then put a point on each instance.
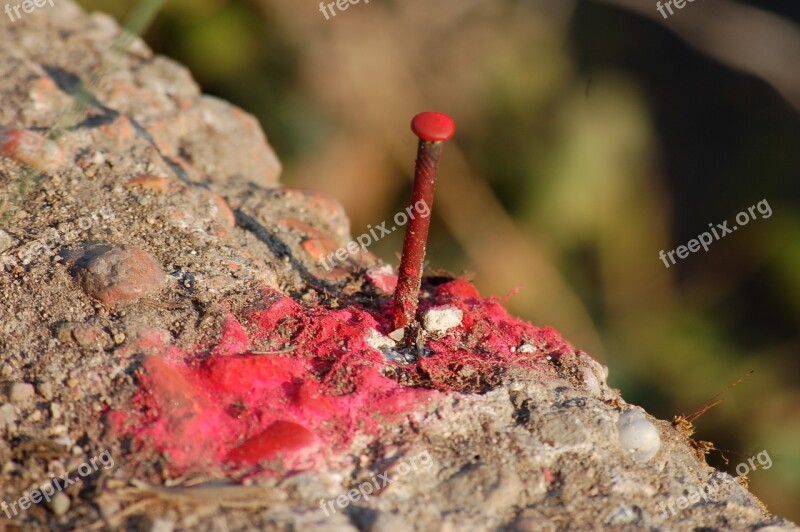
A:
(292, 411)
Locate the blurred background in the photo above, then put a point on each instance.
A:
(591, 135)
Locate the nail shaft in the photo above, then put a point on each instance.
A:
(432, 129)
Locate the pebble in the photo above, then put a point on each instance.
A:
(115, 273)
(591, 381)
(5, 241)
(59, 504)
(155, 183)
(20, 392)
(638, 436)
(30, 148)
(442, 319)
(397, 334)
(378, 341)
(8, 415)
(162, 525)
(45, 390)
(593, 373)
(83, 334)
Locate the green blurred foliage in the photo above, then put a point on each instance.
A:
(600, 135)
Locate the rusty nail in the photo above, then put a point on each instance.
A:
(432, 129)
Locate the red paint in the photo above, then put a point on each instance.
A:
(432, 129)
(384, 281)
(233, 338)
(302, 409)
(282, 437)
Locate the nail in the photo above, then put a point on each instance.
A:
(432, 129)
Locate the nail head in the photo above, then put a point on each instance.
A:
(433, 127)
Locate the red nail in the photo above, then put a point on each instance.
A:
(432, 129)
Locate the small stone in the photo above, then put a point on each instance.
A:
(45, 390)
(442, 319)
(149, 182)
(162, 525)
(87, 335)
(527, 348)
(8, 415)
(114, 273)
(638, 436)
(5, 241)
(59, 504)
(397, 334)
(378, 341)
(31, 148)
(20, 392)
(591, 381)
(56, 411)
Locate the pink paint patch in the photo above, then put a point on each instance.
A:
(383, 281)
(189, 424)
(234, 338)
(289, 412)
(282, 437)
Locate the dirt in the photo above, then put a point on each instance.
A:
(212, 374)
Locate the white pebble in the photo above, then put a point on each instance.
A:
(527, 348)
(59, 504)
(441, 319)
(20, 392)
(591, 381)
(8, 415)
(638, 436)
(378, 341)
(397, 334)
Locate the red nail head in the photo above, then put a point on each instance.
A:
(433, 127)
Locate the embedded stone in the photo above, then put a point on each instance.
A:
(442, 319)
(638, 436)
(20, 392)
(115, 273)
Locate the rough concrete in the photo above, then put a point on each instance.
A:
(536, 450)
